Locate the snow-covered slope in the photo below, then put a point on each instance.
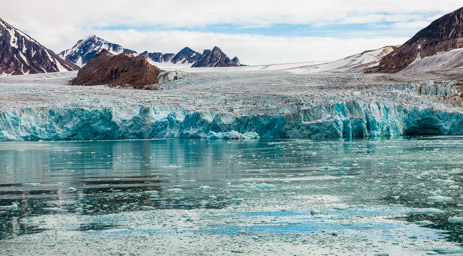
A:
(21, 54)
(362, 60)
(441, 61)
(356, 62)
(273, 104)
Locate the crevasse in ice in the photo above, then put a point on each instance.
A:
(331, 120)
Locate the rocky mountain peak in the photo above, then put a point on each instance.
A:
(21, 54)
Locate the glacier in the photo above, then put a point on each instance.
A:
(309, 111)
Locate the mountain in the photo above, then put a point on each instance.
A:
(216, 58)
(441, 36)
(123, 69)
(84, 50)
(21, 54)
(186, 55)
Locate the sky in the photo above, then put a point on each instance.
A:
(258, 32)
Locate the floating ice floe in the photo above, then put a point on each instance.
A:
(12, 207)
(72, 190)
(204, 188)
(174, 190)
(233, 135)
(31, 184)
(455, 220)
(439, 199)
(264, 186)
(424, 222)
(53, 209)
(425, 211)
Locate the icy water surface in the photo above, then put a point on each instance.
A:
(199, 197)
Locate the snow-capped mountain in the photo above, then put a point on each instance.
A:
(84, 50)
(432, 48)
(186, 55)
(21, 54)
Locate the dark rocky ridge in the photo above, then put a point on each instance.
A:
(123, 69)
(158, 56)
(444, 34)
(84, 50)
(21, 54)
(216, 58)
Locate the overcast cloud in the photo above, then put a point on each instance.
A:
(169, 25)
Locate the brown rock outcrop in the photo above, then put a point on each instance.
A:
(123, 69)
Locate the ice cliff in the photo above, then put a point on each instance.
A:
(340, 120)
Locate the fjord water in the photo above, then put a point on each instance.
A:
(399, 196)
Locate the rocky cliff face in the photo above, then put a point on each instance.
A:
(123, 69)
(84, 50)
(21, 54)
(442, 35)
(216, 58)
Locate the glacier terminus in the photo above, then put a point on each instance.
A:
(284, 101)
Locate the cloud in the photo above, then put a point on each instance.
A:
(58, 24)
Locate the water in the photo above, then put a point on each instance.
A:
(200, 197)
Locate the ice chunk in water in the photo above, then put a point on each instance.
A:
(456, 220)
(31, 184)
(264, 186)
(12, 207)
(424, 222)
(174, 190)
(426, 211)
(204, 188)
(439, 199)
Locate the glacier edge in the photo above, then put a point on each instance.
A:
(347, 119)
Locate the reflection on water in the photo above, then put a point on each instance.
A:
(263, 186)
